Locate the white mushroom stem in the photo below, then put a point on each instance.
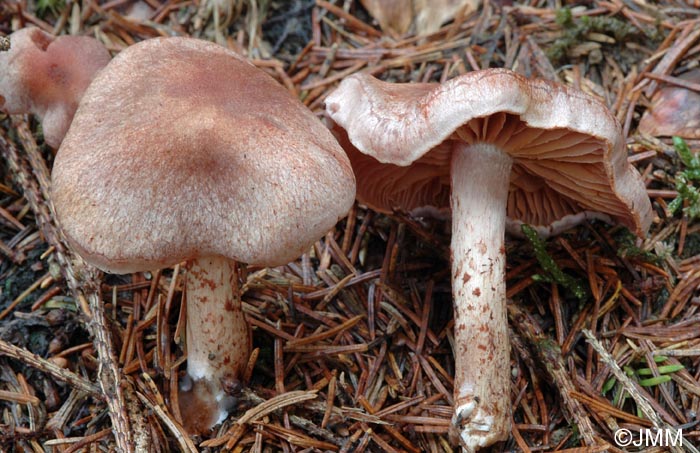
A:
(218, 343)
(480, 175)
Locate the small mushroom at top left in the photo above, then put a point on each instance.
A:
(47, 76)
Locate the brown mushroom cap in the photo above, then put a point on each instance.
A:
(567, 149)
(181, 149)
(47, 76)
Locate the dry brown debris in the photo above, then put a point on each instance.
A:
(353, 339)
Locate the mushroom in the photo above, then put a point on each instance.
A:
(197, 156)
(47, 76)
(488, 144)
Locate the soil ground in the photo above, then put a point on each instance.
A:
(380, 283)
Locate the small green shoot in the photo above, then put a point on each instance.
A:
(609, 385)
(641, 376)
(49, 6)
(686, 190)
(552, 271)
(651, 382)
(664, 369)
(689, 159)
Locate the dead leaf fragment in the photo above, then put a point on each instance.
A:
(674, 110)
(427, 16)
(430, 15)
(394, 16)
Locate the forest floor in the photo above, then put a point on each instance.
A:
(369, 307)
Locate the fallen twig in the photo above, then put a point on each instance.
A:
(50, 368)
(84, 285)
(631, 388)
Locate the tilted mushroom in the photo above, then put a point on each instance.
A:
(47, 76)
(198, 156)
(488, 144)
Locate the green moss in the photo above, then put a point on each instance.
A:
(564, 18)
(553, 272)
(626, 247)
(687, 192)
(620, 30)
(575, 31)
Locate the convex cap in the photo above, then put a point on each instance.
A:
(180, 148)
(568, 152)
(47, 76)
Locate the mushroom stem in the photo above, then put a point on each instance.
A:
(218, 343)
(480, 175)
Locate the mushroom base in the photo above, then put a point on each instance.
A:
(480, 175)
(218, 342)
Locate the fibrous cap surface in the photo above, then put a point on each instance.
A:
(182, 149)
(568, 151)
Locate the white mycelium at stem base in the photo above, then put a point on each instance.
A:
(480, 175)
(218, 343)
